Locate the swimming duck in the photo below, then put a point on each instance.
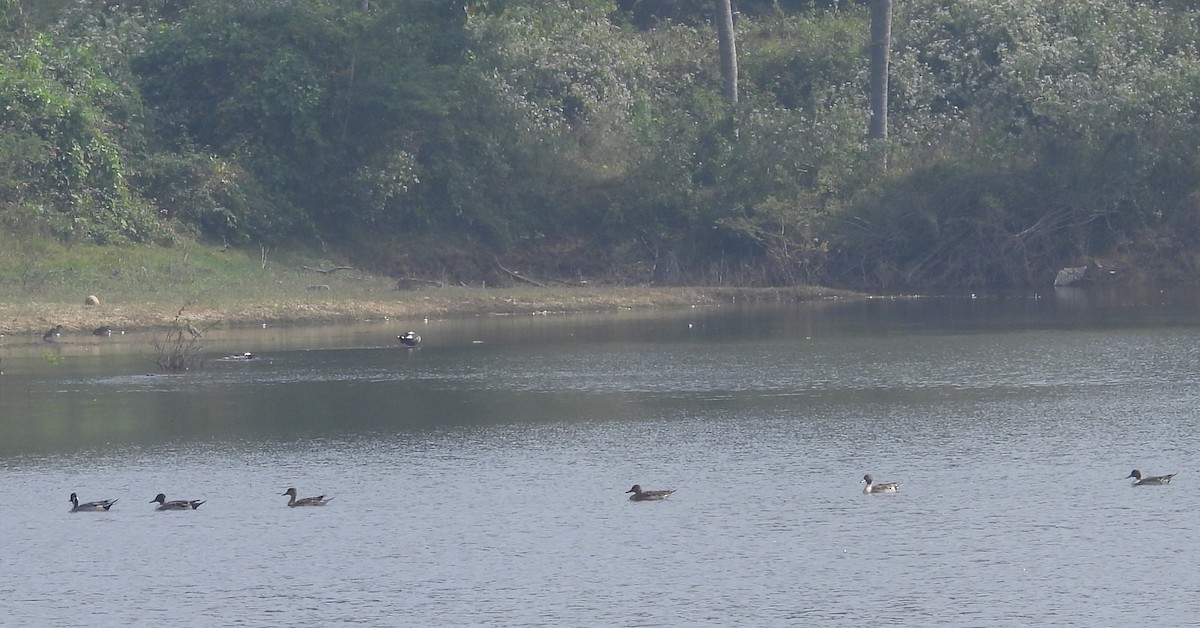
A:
(882, 487)
(100, 506)
(643, 496)
(240, 356)
(53, 334)
(1150, 480)
(103, 330)
(179, 504)
(410, 339)
(319, 500)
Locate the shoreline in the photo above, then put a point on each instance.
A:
(34, 318)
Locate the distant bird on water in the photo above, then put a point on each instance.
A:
(100, 506)
(410, 339)
(319, 500)
(178, 504)
(52, 334)
(873, 488)
(103, 330)
(1149, 480)
(645, 496)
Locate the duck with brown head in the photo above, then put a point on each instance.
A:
(319, 500)
(874, 488)
(179, 504)
(53, 334)
(640, 495)
(98, 506)
(1149, 480)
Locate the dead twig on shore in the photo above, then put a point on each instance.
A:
(409, 283)
(329, 271)
(517, 275)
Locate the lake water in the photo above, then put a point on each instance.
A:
(480, 479)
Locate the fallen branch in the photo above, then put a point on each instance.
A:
(406, 283)
(520, 276)
(329, 271)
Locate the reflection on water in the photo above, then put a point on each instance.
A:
(480, 479)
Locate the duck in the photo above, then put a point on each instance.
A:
(240, 356)
(410, 339)
(103, 330)
(100, 506)
(640, 495)
(52, 334)
(179, 504)
(319, 500)
(883, 487)
(1149, 480)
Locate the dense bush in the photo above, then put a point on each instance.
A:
(1033, 135)
(64, 111)
(589, 136)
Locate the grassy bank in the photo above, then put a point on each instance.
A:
(43, 284)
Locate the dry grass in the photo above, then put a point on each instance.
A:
(143, 288)
(36, 317)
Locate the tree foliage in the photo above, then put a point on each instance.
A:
(65, 112)
(590, 137)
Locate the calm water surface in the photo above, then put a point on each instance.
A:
(480, 479)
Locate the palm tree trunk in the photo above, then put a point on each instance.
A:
(881, 44)
(728, 49)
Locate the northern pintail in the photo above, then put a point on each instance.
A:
(882, 487)
(179, 504)
(319, 500)
(100, 506)
(53, 334)
(644, 496)
(1149, 480)
(410, 339)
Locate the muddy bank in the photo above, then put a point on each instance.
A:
(34, 318)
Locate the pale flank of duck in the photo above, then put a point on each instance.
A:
(883, 487)
(640, 495)
(99, 506)
(1149, 480)
(178, 504)
(319, 500)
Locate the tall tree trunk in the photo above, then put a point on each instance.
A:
(881, 45)
(728, 47)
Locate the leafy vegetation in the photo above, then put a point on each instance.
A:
(589, 139)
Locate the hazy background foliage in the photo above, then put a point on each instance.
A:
(588, 139)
